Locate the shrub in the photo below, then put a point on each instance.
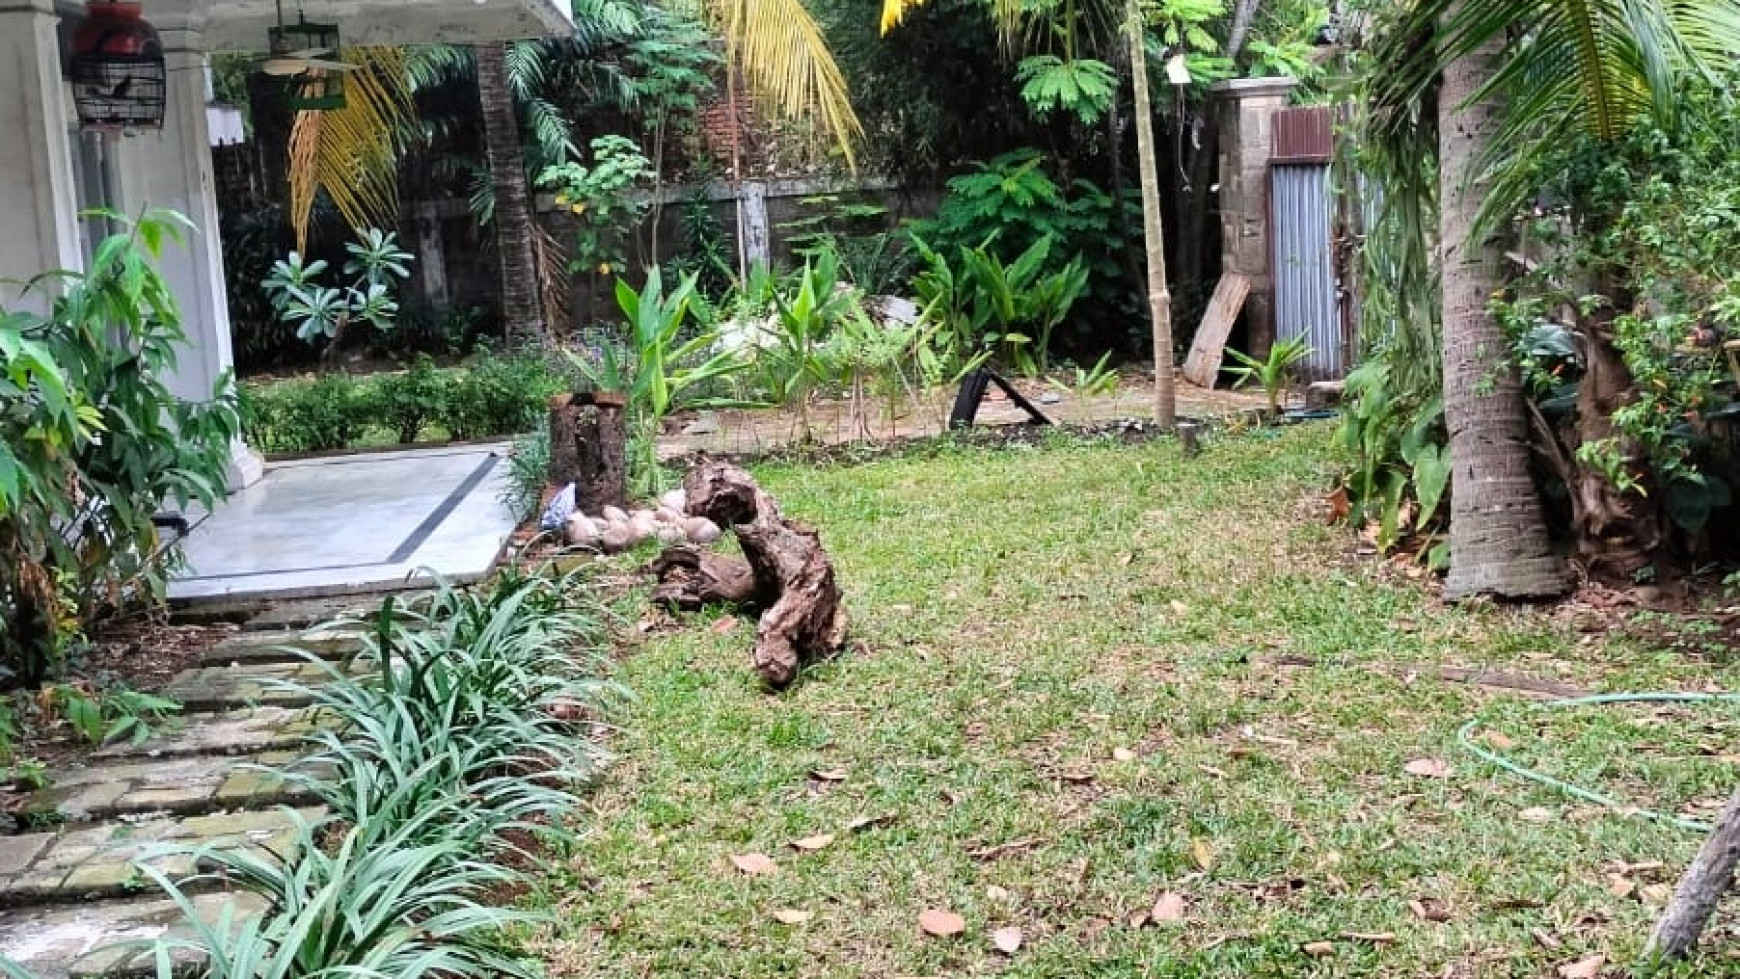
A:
(528, 473)
(92, 442)
(408, 402)
(500, 396)
(330, 412)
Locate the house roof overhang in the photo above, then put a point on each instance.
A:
(241, 25)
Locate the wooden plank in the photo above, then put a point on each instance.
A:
(1202, 366)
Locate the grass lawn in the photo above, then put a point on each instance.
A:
(1058, 710)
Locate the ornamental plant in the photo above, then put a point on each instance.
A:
(93, 442)
(324, 312)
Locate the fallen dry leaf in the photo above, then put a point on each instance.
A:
(1169, 907)
(1547, 939)
(1179, 608)
(1123, 754)
(828, 775)
(1498, 740)
(1202, 851)
(1007, 940)
(940, 923)
(1656, 895)
(1429, 909)
(996, 893)
(1587, 968)
(1536, 814)
(810, 844)
(1374, 937)
(1339, 504)
(870, 822)
(1428, 768)
(791, 916)
(723, 625)
(754, 864)
(1620, 886)
(1318, 950)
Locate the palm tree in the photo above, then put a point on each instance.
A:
(1507, 98)
(1498, 539)
(521, 310)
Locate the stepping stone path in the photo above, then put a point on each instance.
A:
(71, 897)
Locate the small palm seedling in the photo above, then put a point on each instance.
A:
(1086, 383)
(1274, 372)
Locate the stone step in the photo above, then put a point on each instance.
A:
(237, 732)
(308, 613)
(187, 786)
(93, 862)
(288, 647)
(99, 939)
(211, 689)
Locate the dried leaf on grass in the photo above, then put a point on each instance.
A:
(1168, 908)
(1007, 940)
(1585, 968)
(940, 923)
(810, 844)
(791, 916)
(754, 864)
(1428, 768)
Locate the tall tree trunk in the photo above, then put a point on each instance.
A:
(522, 315)
(1159, 298)
(1244, 11)
(1498, 539)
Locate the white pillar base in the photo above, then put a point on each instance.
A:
(39, 210)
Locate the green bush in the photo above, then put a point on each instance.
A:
(409, 402)
(500, 396)
(92, 442)
(330, 412)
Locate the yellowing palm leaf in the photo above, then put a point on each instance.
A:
(783, 56)
(351, 152)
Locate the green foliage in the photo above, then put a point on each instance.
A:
(1274, 372)
(983, 304)
(107, 716)
(871, 257)
(661, 371)
(93, 442)
(805, 318)
(500, 394)
(528, 473)
(705, 255)
(1399, 446)
(1008, 205)
(410, 401)
(332, 411)
(1080, 87)
(601, 198)
(374, 269)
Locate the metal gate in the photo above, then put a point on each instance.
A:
(1307, 293)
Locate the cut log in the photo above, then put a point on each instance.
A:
(1709, 877)
(689, 579)
(589, 448)
(1202, 365)
(804, 618)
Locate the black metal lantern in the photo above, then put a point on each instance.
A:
(298, 53)
(118, 76)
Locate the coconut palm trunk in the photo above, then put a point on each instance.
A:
(522, 314)
(1498, 539)
(1153, 234)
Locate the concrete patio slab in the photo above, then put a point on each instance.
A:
(346, 524)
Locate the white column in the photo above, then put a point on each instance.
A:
(39, 209)
(171, 169)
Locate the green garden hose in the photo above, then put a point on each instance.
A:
(1465, 738)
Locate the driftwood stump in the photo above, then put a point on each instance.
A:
(589, 448)
(790, 577)
(1709, 877)
(690, 578)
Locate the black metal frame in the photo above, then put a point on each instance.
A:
(120, 91)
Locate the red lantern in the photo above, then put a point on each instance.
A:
(118, 74)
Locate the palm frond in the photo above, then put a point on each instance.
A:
(783, 56)
(350, 153)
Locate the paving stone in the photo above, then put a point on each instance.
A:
(97, 861)
(16, 852)
(312, 612)
(91, 940)
(184, 784)
(230, 733)
(215, 688)
(291, 647)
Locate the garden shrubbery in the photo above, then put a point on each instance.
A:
(495, 396)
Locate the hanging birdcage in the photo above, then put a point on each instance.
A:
(303, 48)
(118, 74)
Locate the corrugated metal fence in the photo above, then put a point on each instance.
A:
(1307, 294)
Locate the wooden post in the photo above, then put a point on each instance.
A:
(589, 448)
(1700, 890)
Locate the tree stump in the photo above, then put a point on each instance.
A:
(1709, 877)
(589, 448)
(804, 618)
